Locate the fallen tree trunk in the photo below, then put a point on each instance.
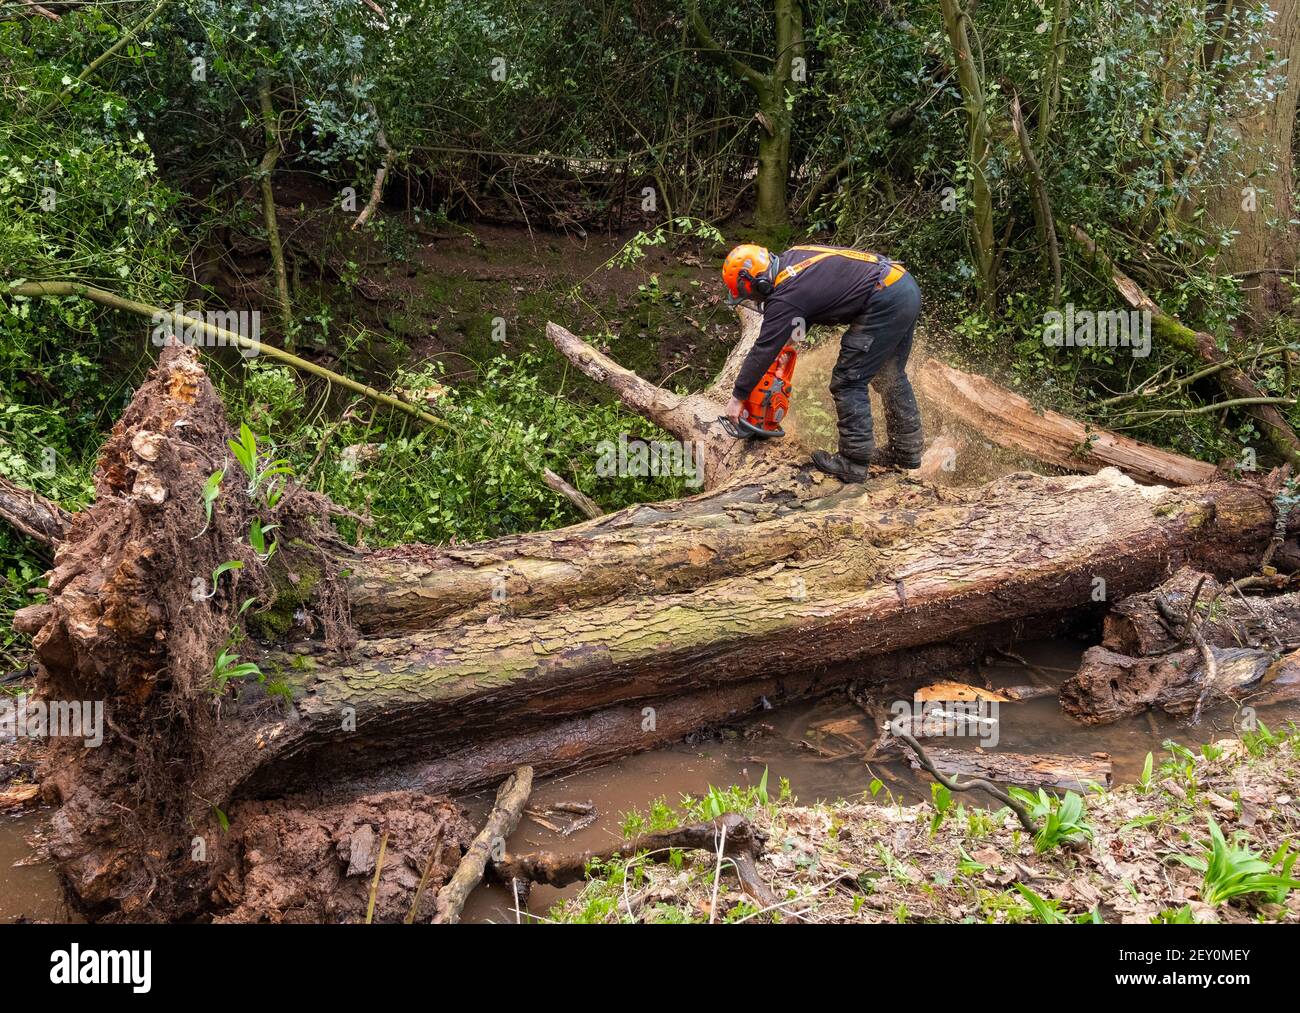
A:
(423, 668)
(1010, 421)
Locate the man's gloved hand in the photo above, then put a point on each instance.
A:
(733, 410)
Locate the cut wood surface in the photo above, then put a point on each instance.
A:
(1011, 421)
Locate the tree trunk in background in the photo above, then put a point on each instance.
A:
(978, 145)
(1266, 238)
(775, 117)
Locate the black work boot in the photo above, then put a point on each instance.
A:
(844, 468)
(890, 456)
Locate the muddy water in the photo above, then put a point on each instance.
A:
(1030, 726)
(30, 889)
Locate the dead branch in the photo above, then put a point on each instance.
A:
(512, 796)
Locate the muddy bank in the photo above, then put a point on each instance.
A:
(864, 861)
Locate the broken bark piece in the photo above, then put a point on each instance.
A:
(953, 692)
(1033, 770)
(1011, 421)
(511, 798)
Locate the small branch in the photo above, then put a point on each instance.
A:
(754, 78)
(46, 289)
(265, 170)
(125, 39)
(582, 501)
(512, 796)
(1042, 203)
(1216, 406)
(952, 784)
(1274, 425)
(377, 190)
(38, 9)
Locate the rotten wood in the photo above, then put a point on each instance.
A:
(1189, 642)
(31, 514)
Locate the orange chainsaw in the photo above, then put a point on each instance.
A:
(761, 414)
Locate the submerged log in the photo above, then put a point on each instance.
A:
(1030, 770)
(423, 668)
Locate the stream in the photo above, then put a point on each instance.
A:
(29, 887)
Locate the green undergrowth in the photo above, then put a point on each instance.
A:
(480, 478)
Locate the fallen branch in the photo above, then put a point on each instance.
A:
(1046, 770)
(123, 40)
(731, 837)
(47, 289)
(952, 784)
(38, 9)
(581, 500)
(553, 869)
(1276, 430)
(512, 796)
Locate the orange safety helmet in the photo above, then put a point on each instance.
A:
(749, 272)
